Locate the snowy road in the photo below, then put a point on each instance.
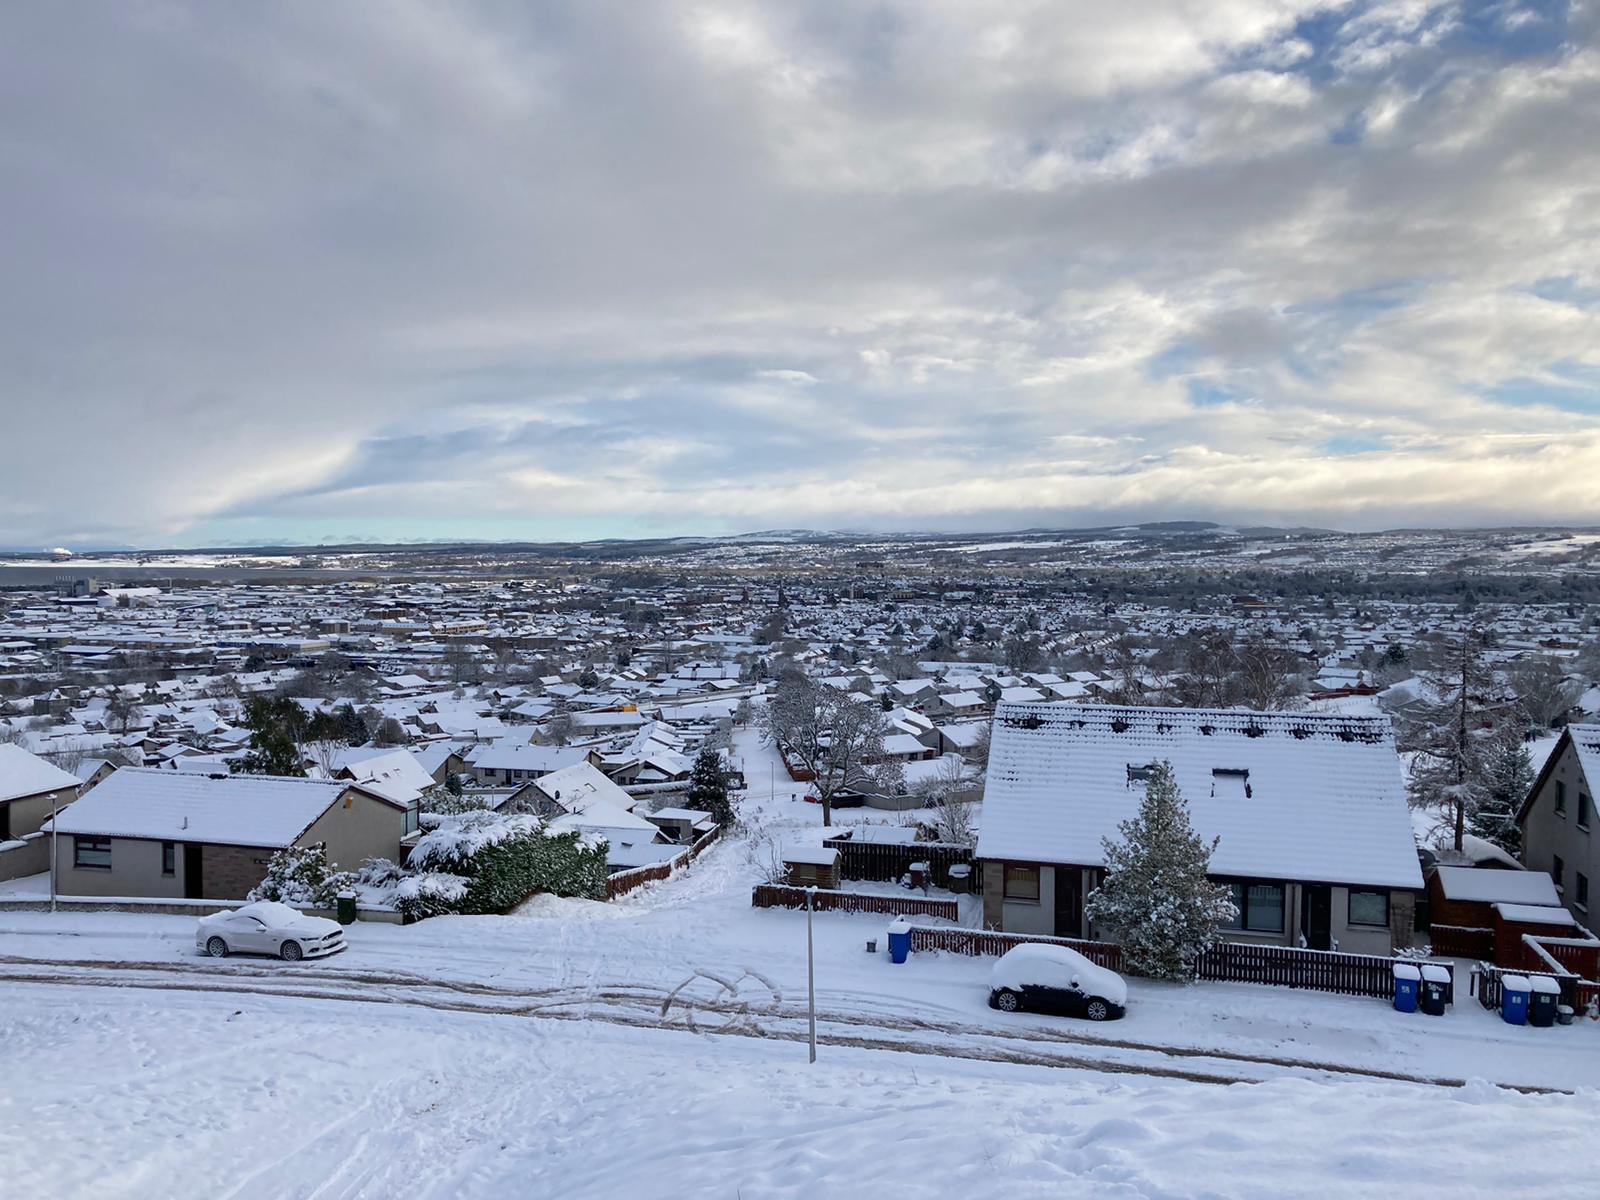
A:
(181, 1094)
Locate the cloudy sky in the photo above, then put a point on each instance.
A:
(319, 271)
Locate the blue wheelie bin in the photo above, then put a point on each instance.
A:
(1407, 983)
(899, 940)
(1514, 993)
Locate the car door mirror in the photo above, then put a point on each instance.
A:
(1074, 984)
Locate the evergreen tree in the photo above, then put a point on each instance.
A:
(708, 788)
(1507, 776)
(1156, 901)
(278, 728)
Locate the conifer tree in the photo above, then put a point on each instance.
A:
(708, 787)
(1157, 901)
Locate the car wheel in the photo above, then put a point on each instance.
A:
(290, 952)
(1097, 1010)
(1008, 1001)
(216, 947)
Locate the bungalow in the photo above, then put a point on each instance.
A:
(501, 763)
(1316, 838)
(27, 784)
(580, 797)
(1559, 833)
(150, 832)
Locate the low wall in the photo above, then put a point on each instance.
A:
(774, 895)
(173, 907)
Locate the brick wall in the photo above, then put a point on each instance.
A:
(229, 872)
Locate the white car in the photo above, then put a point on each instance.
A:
(267, 927)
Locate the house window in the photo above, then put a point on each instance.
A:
(1022, 883)
(1558, 871)
(1585, 810)
(1561, 797)
(1260, 907)
(169, 858)
(5, 822)
(93, 853)
(1369, 908)
(1580, 891)
(412, 813)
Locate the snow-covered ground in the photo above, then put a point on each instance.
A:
(179, 1095)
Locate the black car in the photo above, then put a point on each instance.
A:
(1055, 979)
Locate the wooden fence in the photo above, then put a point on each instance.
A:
(624, 882)
(1290, 966)
(986, 941)
(888, 861)
(1576, 992)
(1462, 941)
(774, 895)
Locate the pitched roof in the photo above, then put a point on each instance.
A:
(1295, 796)
(231, 810)
(25, 774)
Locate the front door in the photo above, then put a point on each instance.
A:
(1316, 924)
(193, 885)
(1069, 902)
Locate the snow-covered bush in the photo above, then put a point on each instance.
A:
(299, 876)
(501, 861)
(430, 894)
(444, 802)
(1157, 900)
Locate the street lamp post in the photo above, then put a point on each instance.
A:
(811, 974)
(52, 852)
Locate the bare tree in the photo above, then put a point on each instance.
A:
(834, 736)
(948, 793)
(1448, 734)
(1543, 691)
(1262, 673)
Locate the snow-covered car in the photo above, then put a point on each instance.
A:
(1055, 979)
(267, 927)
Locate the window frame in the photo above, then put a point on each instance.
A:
(1022, 868)
(1240, 889)
(92, 844)
(1585, 810)
(1350, 910)
(1580, 892)
(169, 859)
(1558, 873)
(1561, 798)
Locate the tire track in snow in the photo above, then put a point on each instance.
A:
(643, 1007)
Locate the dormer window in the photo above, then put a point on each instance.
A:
(1231, 781)
(1141, 774)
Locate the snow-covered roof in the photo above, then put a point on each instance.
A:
(820, 856)
(1535, 914)
(236, 810)
(25, 774)
(1484, 886)
(1295, 796)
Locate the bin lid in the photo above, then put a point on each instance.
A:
(1564, 1009)
(1515, 983)
(1403, 970)
(1434, 973)
(899, 925)
(961, 870)
(1543, 983)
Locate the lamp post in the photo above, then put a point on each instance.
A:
(52, 852)
(811, 975)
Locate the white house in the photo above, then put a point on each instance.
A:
(1316, 837)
